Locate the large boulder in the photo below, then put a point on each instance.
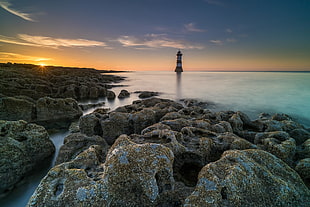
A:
(249, 178)
(49, 109)
(132, 175)
(22, 147)
(14, 109)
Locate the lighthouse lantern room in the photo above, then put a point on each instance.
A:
(179, 68)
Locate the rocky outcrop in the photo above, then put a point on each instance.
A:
(49, 109)
(22, 147)
(123, 94)
(166, 154)
(110, 95)
(248, 178)
(147, 94)
(13, 109)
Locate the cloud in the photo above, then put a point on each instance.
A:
(215, 2)
(6, 56)
(6, 6)
(156, 41)
(217, 42)
(192, 28)
(51, 42)
(231, 40)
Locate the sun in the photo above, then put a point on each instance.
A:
(42, 65)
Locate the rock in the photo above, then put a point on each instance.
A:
(93, 92)
(248, 178)
(110, 95)
(278, 143)
(49, 109)
(137, 174)
(22, 147)
(14, 109)
(75, 143)
(89, 106)
(147, 94)
(303, 169)
(75, 183)
(303, 151)
(123, 94)
(142, 119)
(300, 135)
(90, 124)
(176, 124)
(114, 125)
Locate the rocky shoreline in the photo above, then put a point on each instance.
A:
(153, 152)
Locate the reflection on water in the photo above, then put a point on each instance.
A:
(179, 86)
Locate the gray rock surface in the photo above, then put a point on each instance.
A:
(22, 147)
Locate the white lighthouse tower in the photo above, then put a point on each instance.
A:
(179, 68)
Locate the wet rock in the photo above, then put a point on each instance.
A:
(110, 95)
(123, 94)
(75, 143)
(242, 178)
(147, 94)
(176, 124)
(14, 109)
(49, 109)
(89, 106)
(142, 119)
(303, 169)
(22, 147)
(303, 151)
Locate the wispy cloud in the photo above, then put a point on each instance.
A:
(191, 27)
(228, 30)
(6, 56)
(156, 41)
(7, 6)
(217, 42)
(51, 42)
(231, 40)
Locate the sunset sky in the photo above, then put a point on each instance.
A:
(146, 34)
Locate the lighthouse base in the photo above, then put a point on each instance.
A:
(178, 69)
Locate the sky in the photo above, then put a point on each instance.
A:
(146, 34)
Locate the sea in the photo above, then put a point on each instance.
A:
(250, 92)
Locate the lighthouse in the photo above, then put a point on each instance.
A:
(179, 68)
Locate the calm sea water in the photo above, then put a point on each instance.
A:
(250, 92)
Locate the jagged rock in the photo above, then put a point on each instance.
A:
(110, 95)
(22, 147)
(89, 106)
(114, 125)
(93, 92)
(172, 116)
(14, 109)
(303, 169)
(49, 109)
(123, 94)
(303, 151)
(248, 178)
(137, 174)
(300, 135)
(74, 183)
(90, 124)
(176, 124)
(75, 143)
(278, 143)
(142, 119)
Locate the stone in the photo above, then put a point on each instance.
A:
(75, 143)
(89, 124)
(303, 169)
(248, 178)
(110, 95)
(14, 109)
(300, 135)
(123, 94)
(114, 125)
(74, 183)
(142, 119)
(303, 151)
(137, 174)
(147, 94)
(49, 109)
(23, 146)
